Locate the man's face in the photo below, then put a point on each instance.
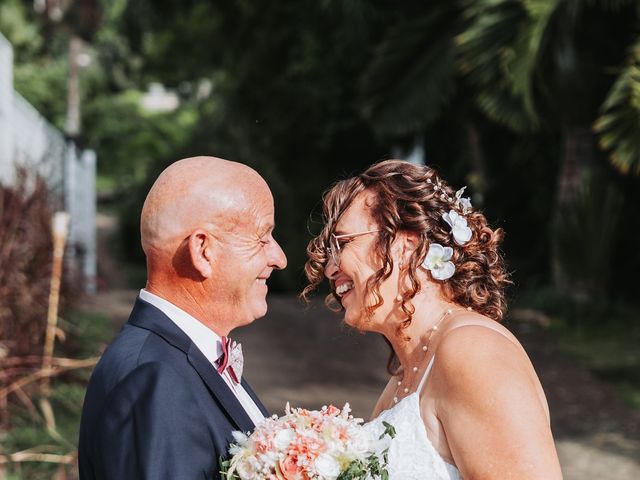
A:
(247, 254)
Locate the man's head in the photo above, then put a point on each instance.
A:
(206, 229)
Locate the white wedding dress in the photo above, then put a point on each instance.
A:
(412, 456)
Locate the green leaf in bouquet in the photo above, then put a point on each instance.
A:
(225, 463)
(388, 430)
(355, 470)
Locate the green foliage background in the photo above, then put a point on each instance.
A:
(308, 92)
(510, 97)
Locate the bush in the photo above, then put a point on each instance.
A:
(25, 261)
(26, 256)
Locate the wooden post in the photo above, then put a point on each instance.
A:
(60, 230)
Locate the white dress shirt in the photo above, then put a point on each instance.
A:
(208, 342)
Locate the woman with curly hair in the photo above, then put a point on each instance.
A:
(408, 257)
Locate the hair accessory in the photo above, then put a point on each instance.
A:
(463, 203)
(438, 262)
(459, 229)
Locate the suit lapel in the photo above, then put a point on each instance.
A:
(219, 389)
(145, 315)
(254, 397)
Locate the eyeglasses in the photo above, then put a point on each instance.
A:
(334, 244)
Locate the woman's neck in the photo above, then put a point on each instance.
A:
(412, 344)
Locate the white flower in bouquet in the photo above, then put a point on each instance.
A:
(247, 468)
(360, 443)
(327, 466)
(326, 444)
(283, 438)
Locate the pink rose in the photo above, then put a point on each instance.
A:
(291, 470)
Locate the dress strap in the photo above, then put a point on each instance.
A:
(426, 374)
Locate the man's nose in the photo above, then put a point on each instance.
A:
(278, 259)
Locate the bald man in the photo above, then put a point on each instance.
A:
(167, 393)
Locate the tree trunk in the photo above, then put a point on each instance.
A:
(578, 158)
(72, 126)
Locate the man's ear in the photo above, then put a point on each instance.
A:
(201, 252)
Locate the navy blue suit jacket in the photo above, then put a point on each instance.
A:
(155, 407)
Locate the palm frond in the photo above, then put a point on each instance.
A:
(504, 109)
(483, 52)
(499, 54)
(411, 76)
(618, 126)
(529, 48)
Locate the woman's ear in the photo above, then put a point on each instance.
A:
(201, 252)
(407, 244)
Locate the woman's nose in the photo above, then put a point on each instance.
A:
(331, 269)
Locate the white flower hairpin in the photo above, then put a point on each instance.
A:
(438, 259)
(459, 229)
(438, 262)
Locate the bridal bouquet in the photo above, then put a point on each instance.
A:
(326, 444)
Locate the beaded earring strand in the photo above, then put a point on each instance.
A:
(425, 349)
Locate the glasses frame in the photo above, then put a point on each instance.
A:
(334, 244)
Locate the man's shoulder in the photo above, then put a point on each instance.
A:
(120, 357)
(135, 361)
(133, 346)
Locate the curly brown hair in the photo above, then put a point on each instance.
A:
(412, 198)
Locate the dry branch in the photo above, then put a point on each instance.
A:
(69, 364)
(27, 456)
(34, 360)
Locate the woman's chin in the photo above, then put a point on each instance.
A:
(352, 322)
(351, 317)
(358, 321)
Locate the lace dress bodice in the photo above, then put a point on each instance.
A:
(412, 456)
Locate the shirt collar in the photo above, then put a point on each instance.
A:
(207, 341)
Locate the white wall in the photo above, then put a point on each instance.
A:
(28, 139)
(6, 109)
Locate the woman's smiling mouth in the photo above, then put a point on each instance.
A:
(343, 288)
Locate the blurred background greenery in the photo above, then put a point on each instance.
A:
(534, 104)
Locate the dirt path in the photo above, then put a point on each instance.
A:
(305, 356)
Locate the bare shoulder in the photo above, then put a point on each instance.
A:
(477, 353)
(470, 327)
